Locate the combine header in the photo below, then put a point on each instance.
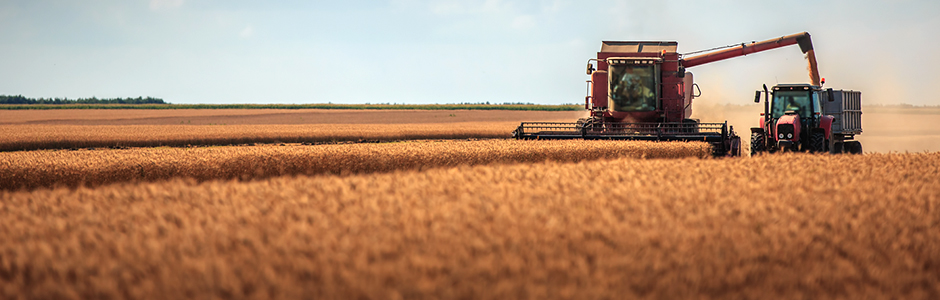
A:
(641, 91)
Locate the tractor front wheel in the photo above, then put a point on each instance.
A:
(757, 143)
(817, 142)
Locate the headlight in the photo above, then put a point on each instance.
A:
(785, 130)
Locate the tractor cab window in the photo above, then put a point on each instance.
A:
(633, 87)
(817, 107)
(798, 101)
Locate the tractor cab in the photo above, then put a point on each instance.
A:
(800, 100)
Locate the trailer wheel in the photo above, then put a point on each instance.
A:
(836, 148)
(853, 147)
(817, 142)
(757, 143)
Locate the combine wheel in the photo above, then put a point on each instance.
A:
(817, 142)
(735, 146)
(757, 143)
(587, 124)
(689, 126)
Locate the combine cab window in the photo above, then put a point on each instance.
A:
(798, 101)
(633, 87)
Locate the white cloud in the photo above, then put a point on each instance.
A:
(447, 7)
(247, 32)
(551, 6)
(523, 22)
(165, 4)
(496, 6)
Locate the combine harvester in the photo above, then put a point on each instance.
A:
(641, 91)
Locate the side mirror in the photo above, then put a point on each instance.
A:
(757, 97)
(830, 95)
(590, 68)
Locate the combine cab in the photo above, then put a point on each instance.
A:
(641, 91)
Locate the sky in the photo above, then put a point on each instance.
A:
(445, 51)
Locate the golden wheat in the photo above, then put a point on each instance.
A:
(272, 116)
(63, 129)
(32, 169)
(33, 137)
(780, 226)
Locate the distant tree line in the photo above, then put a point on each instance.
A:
(19, 99)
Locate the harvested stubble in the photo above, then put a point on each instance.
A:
(846, 227)
(34, 137)
(33, 169)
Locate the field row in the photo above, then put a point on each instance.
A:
(34, 169)
(273, 116)
(377, 106)
(844, 226)
(34, 137)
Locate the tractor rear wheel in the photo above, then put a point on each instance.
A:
(757, 143)
(817, 142)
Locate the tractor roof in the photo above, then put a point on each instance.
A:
(792, 86)
(638, 47)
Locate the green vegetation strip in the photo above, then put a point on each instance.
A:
(301, 106)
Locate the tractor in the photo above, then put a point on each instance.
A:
(805, 117)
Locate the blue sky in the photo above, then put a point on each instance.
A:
(444, 51)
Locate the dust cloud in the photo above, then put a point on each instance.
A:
(741, 118)
(900, 129)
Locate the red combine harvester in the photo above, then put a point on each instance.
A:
(641, 91)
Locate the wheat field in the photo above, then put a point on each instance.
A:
(34, 169)
(839, 227)
(72, 129)
(35, 137)
(455, 219)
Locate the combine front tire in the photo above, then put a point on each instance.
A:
(689, 126)
(757, 143)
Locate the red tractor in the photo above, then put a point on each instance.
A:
(804, 117)
(641, 91)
